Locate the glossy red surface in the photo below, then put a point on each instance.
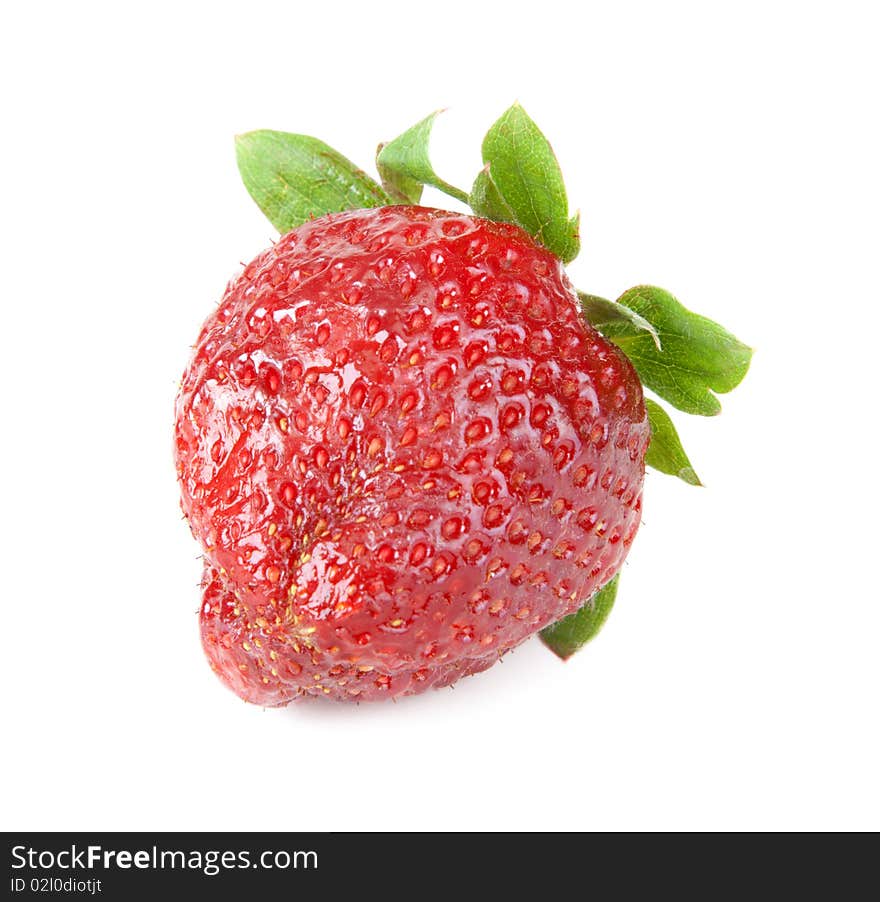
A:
(403, 452)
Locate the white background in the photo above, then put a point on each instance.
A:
(731, 157)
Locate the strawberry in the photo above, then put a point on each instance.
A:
(401, 443)
(405, 450)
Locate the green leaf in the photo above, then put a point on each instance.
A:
(603, 314)
(696, 356)
(405, 165)
(528, 178)
(294, 178)
(400, 187)
(486, 199)
(573, 632)
(665, 452)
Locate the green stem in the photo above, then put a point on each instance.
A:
(451, 190)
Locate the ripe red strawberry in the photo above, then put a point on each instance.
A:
(404, 442)
(404, 451)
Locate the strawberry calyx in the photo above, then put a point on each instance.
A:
(405, 166)
(681, 357)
